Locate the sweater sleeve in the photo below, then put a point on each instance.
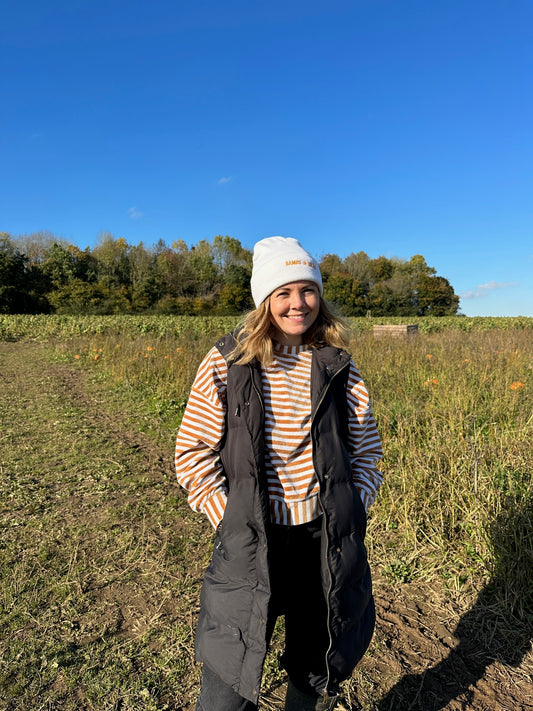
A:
(363, 440)
(198, 466)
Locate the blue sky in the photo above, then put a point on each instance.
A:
(392, 127)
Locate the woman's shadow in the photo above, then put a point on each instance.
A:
(499, 627)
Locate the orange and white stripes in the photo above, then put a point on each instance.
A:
(198, 466)
(292, 482)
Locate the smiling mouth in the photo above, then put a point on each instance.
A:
(297, 319)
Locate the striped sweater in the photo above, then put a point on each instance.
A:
(292, 483)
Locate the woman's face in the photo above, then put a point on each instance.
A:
(293, 309)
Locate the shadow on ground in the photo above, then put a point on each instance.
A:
(498, 628)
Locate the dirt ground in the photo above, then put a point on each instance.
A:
(426, 656)
(431, 652)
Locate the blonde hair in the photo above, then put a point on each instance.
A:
(256, 334)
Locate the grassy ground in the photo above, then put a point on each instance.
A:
(101, 559)
(99, 555)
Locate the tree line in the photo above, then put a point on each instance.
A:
(40, 273)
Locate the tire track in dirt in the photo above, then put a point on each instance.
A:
(74, 383)
(24, 366)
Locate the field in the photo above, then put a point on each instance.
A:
(101, 558)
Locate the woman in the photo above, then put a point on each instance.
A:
(278, 447)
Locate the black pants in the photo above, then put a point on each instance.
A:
(298, 595)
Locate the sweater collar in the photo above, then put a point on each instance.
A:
(281, 349)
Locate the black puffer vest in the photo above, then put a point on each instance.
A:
(235, 596)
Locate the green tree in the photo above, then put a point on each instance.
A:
(392, 297)
(346, 293)
(381, 299)
(402, 298)
(19, 282)
(82, 297)
(112, 256)
(235, 295)
(436, 297)
(358, 265)
(380, 269)
(201, 260)
(417, 267)
(59, 265)
(175, 272)
(146, 284)
(140, 265)
(228, 251)
(330, 264)
(234, 299)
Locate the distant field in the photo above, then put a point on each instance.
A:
(101, 558)
(42, 327)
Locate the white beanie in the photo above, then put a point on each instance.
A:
(278, 261)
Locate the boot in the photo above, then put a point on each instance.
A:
(296, 700)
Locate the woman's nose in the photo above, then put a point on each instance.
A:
(297, 301)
